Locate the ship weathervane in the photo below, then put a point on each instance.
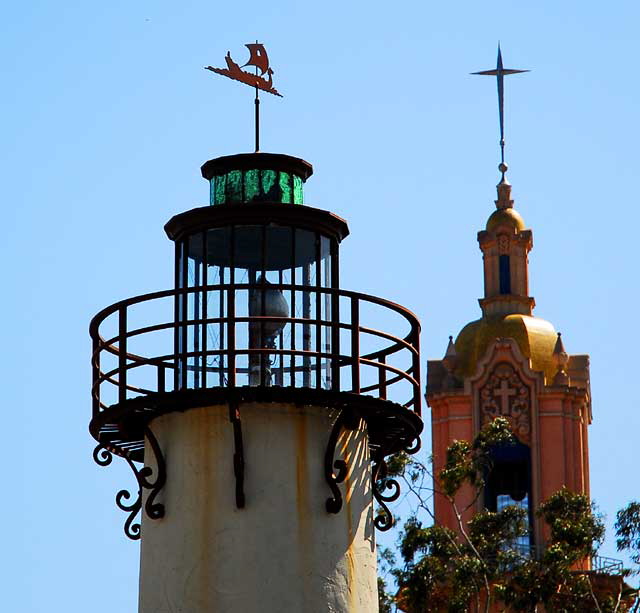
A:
(259, 59)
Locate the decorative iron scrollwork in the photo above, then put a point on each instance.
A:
(380, 482)
(414, 446)
(335, 472)
(154, 510)
(147, 478)
(102, 456)
(130, 529)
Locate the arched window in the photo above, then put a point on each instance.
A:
(505, 274)
(508, 482)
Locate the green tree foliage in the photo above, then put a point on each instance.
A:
(481, 564)
(550, 579)
(628, 530)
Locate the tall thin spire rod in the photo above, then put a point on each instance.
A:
(257, 105)
(499, 72)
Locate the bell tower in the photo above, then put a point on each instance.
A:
(511, 364)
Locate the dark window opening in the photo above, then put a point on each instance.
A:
(505, 275)
(508, 482)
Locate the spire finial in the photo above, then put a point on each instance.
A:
(560, 359)
(499, 72)
(450, 363)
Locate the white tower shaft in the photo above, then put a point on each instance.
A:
(281, 553)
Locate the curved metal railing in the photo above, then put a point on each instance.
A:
(204, 340)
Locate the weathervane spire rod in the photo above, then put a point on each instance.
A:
(257, 107)
(499, 72)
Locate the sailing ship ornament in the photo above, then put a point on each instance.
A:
(259, 59)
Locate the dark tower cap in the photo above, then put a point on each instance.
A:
(257, 161)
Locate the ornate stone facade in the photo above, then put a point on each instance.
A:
(503, 244)
(506, 395)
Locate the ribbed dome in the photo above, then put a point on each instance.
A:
(509, 217)
(536, 338)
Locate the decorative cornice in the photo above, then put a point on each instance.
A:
(523, 305)
(487, 238)
(499, 350)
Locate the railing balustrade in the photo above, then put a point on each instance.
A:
(206, 346)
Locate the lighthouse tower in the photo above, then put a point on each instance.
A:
(255, 402)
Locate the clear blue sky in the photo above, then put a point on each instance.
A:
(108, 114)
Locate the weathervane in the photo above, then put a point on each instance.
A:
(259, 59)
(499, 73)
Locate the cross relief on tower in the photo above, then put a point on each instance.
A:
(506, 395)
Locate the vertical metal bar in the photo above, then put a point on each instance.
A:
(95, 373)
(221, 326)
(231, 313)
(280, 371)
(355, 346)
(196, 326)
(161, 378)
(382, 378)
(335, 264)
(327, 307)
(257, 105)
(122, 353)
(205, 305)
(416, 370)
(176, 317)
(306, 328)
(231, 335)
(264, 361)
(335, 319)
(292, 362)
(318, 314)
(254, 335)
(185, 314)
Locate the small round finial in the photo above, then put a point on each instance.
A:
(502, 167)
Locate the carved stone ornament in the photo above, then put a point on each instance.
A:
(503, 244)
(506, 395)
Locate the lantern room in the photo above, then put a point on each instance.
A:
(269, 266)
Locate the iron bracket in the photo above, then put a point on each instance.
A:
(335, 472)
(146, 479)
(238, 453)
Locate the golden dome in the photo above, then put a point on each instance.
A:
(536, 338)
(509, 217)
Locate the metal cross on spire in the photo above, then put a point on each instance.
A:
(499, 73)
